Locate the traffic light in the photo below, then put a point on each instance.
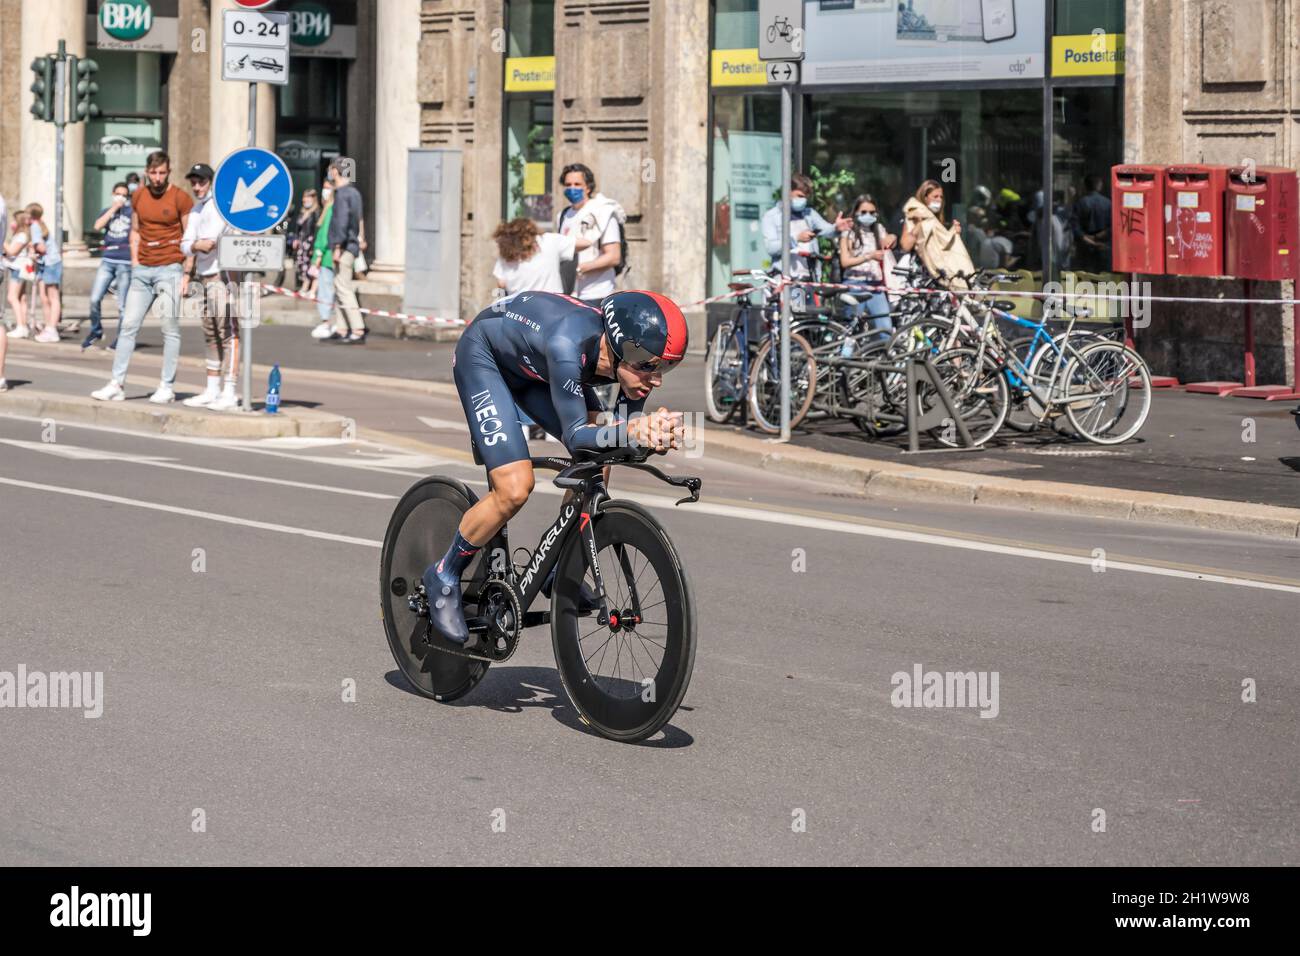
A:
(83, 75)
(43, 87)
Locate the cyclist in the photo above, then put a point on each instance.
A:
(543, 352)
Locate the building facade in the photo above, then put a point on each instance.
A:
(1011, 106)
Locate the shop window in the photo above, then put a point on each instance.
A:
(984, 146)
(530, 28)
(309, 131)
(1089, 135)
(735, 24)
(1073, 17)
(129, 128)
(529, 138)
(746, 172)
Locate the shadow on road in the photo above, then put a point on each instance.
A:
(509, 690)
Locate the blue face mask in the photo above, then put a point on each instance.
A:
(575, 194)
(798, 204)
(866, 218)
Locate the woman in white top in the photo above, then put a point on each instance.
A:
(599, 220)
(863, 251)
(21, 266)
(528, 260)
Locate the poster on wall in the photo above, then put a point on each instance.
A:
(924, 40)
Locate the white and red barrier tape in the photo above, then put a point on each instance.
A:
(418, 319)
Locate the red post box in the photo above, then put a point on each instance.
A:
(1194, 220)
(1137, 226)
(1262, 223)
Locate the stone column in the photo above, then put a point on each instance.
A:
(44, 25)
(397, 127)
(228, 106)
(14, 98)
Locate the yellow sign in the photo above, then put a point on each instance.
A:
(1088, 54)
(534, 179)
(530, 74)
(738, 68)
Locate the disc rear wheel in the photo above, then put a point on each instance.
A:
(424, 521)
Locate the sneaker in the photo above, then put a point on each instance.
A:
(91, 339)
(227, 401)
(164, 396)
(112, 392)
(4, 386)
(47, 336)
(203, 399)
(19, 333)
(322, 331)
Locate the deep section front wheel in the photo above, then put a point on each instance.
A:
(626, 678)
(421, 528)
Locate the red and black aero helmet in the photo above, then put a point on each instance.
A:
(645, 329)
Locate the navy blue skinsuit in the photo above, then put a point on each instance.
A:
(539, 351)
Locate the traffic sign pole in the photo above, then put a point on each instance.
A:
(60, 121)
(245, 298)
(787, 142)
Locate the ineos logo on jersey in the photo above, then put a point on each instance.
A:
(489, 424)
(571, 386)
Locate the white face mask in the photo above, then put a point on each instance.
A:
(325, 194)
(935, 207)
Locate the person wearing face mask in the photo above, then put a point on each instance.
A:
(864, 250)
(115, 265)
(304, 240)
(806, 225)
(321, 270)
(938, 244)
(594, 217)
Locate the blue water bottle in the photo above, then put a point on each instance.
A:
(273, 392)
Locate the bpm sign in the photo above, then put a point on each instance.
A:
(309, 24)
(126, 19)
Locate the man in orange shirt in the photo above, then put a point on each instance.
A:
(159, 214)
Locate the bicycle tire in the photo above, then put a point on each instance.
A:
(426, 516)
(1099, 433)
(765, 393)
(976, 390)
(720, 355)
(614, 706)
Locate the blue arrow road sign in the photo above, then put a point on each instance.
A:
(253, 190)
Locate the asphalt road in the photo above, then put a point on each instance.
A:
(1119, 690)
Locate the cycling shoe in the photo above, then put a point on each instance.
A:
(445, 610)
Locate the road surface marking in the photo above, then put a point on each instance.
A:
(94, 454)
(194, 513)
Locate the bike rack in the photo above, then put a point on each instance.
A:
(912, 366)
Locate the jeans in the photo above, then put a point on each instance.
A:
(876, 307)
(150, 284)
(325, 294)
(109, 271)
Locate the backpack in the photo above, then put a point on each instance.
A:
(568, 270)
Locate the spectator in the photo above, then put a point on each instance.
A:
(938, 244)
(45, 245)
(863, 251)
(599, 220)
(115, 266)
(978, 240)
(4, 269)
(322, 266)
(132, 184)
(1090, 224)
(529, 259)
(159, 216)
(202, 235)
(304, 241)
(21, 269)
(806, 224)
(345, 244)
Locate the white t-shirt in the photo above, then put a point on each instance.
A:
(541, 273)
(22, 261)
(592, 285)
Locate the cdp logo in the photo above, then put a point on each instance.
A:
(1018, 67)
